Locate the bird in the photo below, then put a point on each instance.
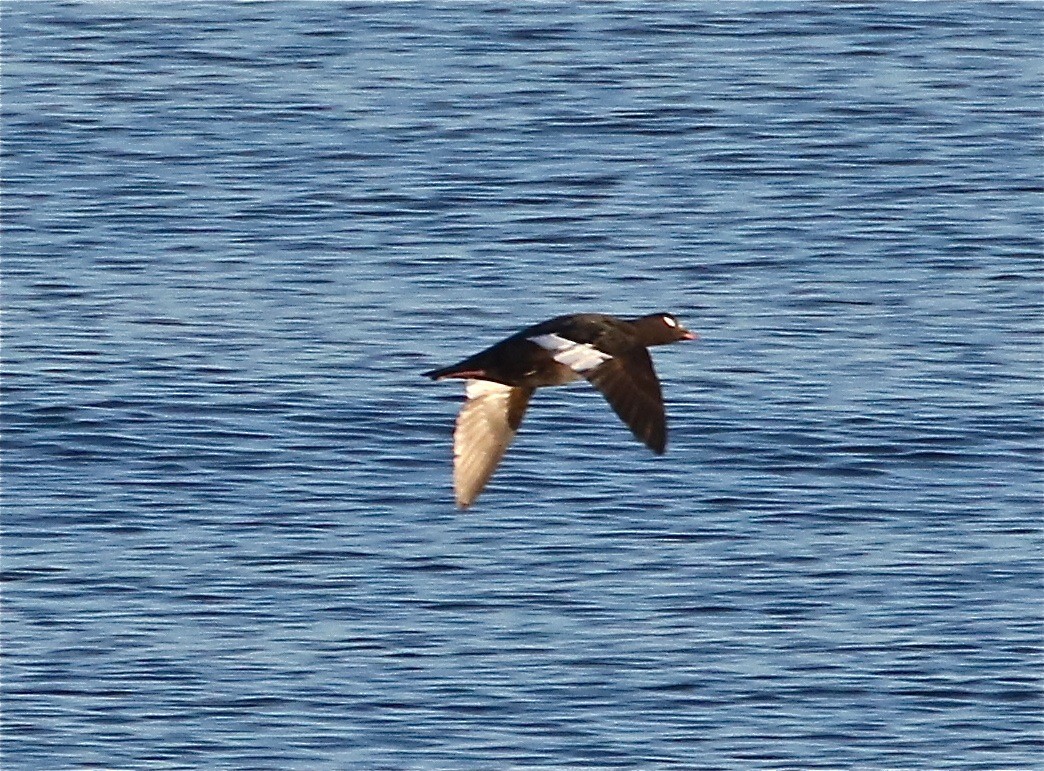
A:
(610, 352)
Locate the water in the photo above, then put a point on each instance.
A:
(235, 234)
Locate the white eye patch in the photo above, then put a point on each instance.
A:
(579, 357)
(669, 321)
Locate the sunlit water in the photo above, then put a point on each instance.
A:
(235, 234)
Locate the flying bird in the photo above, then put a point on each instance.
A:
(611, 353)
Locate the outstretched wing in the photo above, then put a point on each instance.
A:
(632, 389)
(485, 428)
(626, 379)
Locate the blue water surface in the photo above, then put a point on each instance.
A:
(234, 235)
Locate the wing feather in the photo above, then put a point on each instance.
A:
(579, 357)
(485, 429)
(630, 385)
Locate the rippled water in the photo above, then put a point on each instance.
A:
(235, 234)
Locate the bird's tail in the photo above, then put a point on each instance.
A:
(456, 370)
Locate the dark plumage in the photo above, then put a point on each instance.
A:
(611, 353)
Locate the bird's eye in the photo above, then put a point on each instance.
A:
(669, 321)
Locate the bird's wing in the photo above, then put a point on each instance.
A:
(485, 428)
(626, 378)
(630, 385)
(579, 357)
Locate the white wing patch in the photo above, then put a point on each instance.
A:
(579, 357)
